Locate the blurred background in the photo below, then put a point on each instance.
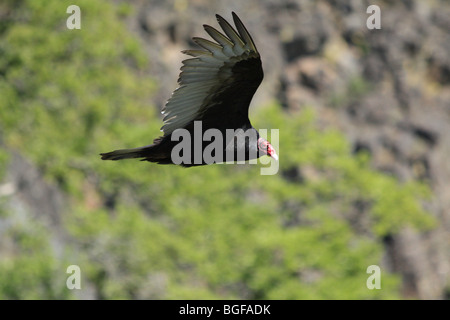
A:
(364, 120)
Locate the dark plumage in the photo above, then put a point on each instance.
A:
(216, 87)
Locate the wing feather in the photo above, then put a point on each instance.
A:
(212, 47)
(230, 32)
(194, 53)
(226, 44)
(249, 44)
(221, 71)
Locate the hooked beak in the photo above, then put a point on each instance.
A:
(275, 156)
(271, 152)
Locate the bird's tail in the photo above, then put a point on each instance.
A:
(125, 154)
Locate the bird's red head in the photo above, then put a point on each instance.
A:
(266, 148)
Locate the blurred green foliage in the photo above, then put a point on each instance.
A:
(139, 230)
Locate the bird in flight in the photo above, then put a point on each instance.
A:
(215, 88)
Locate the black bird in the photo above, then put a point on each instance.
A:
(215, 89)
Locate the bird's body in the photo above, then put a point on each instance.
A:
(215, 89)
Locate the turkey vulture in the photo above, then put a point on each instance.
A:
(214, 92)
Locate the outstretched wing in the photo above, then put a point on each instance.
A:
(217, 85)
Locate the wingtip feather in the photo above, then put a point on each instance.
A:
(244, 34)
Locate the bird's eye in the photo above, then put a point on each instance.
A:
(264, 146)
